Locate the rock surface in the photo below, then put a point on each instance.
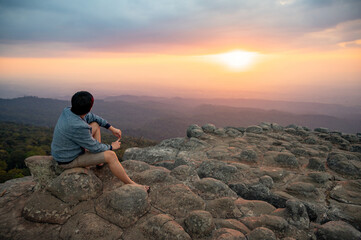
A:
(256, 182)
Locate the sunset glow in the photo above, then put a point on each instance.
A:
(235, 60)
(278, 50)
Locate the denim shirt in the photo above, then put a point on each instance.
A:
(72, 135)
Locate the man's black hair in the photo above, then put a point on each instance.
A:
(81, 102)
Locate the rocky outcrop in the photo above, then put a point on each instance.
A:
(256, 182)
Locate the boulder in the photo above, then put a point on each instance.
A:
(337, 230)
(216, 169)
(123, 206)
(223, 208)
(89, 226)
(195, 131)
(254, 129)
(248, 155)
(232, 224)
(199, 224)
(274, 223)
(185, 174)
(177, 200)
(339, 163)
(316, 164)
(43, 169)
(261, 233)
(254, 208)
(45, 208)
(75, 185)
(151, 155)
(209, 128)
(163, 226)
(210, 188)
(228, 234)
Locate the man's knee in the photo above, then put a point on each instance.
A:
(95, 126)
(110, 156)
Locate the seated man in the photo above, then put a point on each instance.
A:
(77, 140)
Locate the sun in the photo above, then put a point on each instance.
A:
(236, 60)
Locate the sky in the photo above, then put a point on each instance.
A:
(293, 50)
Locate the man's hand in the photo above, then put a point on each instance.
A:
(116, 132)
(116, 144)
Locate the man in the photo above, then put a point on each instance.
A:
(77, 140)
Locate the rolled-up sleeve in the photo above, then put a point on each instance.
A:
(83, 138)
(91, 117)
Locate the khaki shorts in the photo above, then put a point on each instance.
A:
(85, 160)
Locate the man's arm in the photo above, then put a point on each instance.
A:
(91, 117)
(83, 138)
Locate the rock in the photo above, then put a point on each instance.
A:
(356, 148)
(154, 176)
(347, 192)
(89, 226)
(287, 160)
(45, 208)
(43, 170)
(276, 127)
(150, 155)
(177, 200)
(302, 189)
(295, 213)
(223, 208)
(199, 223)
(261, 233)
(163, 227)
(266, 181)
(228, 234)
(232, 224)
(209, 128)
(194, 131)
(339, 163)
(248, 155)
(216, 169)
(221, 132)
(274, 223)
(76, 184)
(233, 132)
(336, 230)
(254, 208)
(210, 188)
(254, 129)
(123, 206)
(186, 174)
(176, 143)
(316, 164)
(322, 130)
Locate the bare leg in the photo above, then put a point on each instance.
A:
(96, 135)
(117, 168)
(96, 131)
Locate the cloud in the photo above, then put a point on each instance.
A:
(138, 24)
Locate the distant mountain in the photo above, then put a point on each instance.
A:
(161, 118)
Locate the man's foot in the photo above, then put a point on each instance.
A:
(146, 188)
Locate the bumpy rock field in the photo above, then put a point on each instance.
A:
(259, 182)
